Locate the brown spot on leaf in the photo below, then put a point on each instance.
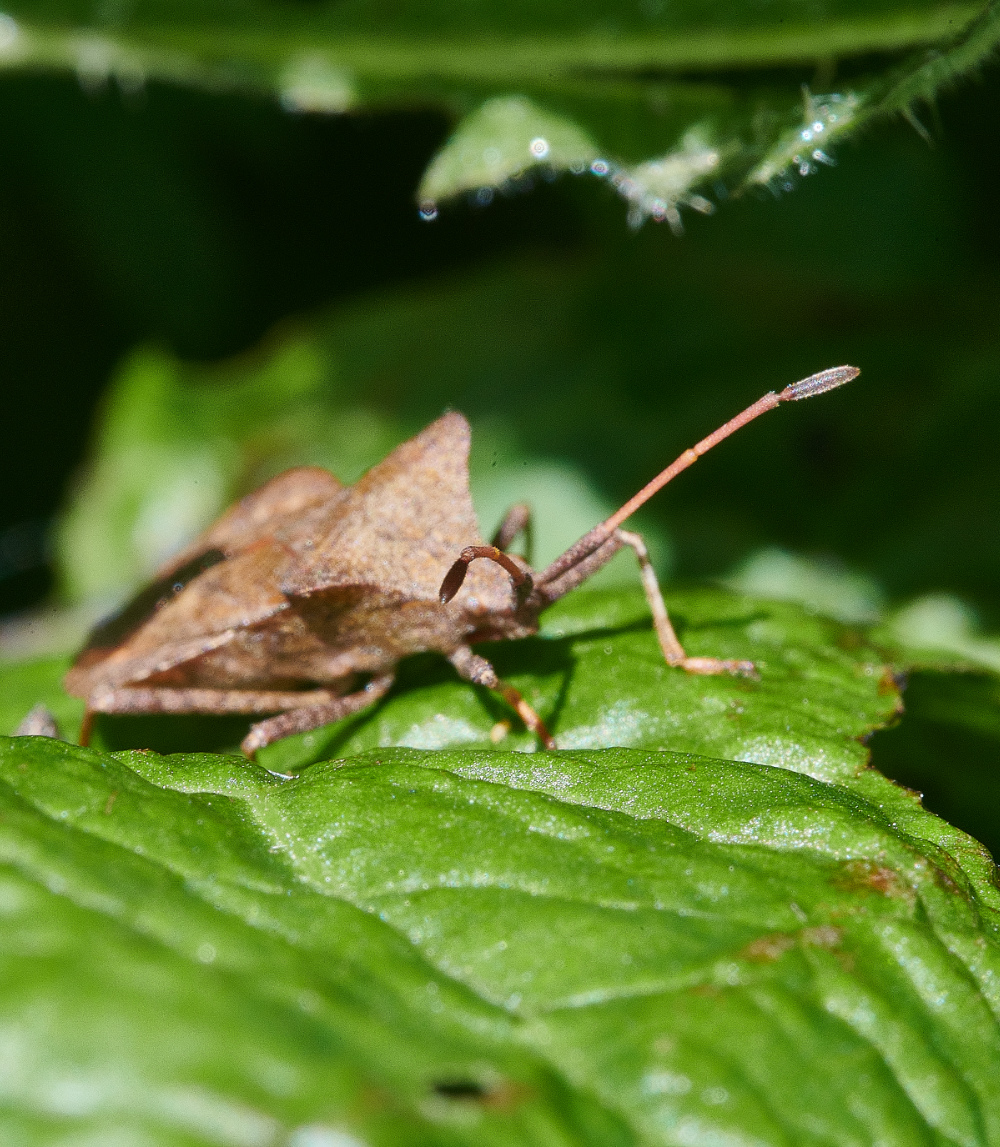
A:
(709, 990)
(943, 880)
(868, 876)
(768, 948)
(824, 936)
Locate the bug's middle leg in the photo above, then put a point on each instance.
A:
(673, 651)
(479, 671)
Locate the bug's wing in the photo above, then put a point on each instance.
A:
(399, 529)
(202, 615)
(225, 580)
(280, 503)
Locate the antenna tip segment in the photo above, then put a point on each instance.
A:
(819, 383)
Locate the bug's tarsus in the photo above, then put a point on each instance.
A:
(86, 727)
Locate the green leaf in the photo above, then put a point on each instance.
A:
(938, 631)
(169, 979)
(823, 586)
(499, 142)
(675, 96)
(26, 684)
(476, 946)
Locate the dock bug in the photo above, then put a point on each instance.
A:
(301, 600)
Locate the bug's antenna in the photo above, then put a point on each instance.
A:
(808, 387)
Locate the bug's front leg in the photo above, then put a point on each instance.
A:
(673, 651)
(479, 671)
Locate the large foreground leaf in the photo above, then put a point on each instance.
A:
(485, 947)
(662, 98)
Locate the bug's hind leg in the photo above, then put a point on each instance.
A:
(673, 651)
(479, 671)
(301, 720)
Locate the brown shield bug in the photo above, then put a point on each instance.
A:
(302, 598)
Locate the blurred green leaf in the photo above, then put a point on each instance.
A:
(178, 444)
(939, 631)
(499, 142)
(26, 684)
(823, 585)
(674, 95)
(482, 947)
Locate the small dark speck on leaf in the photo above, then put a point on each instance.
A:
(459, 1089)
(710, 990)
(503, 1095)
